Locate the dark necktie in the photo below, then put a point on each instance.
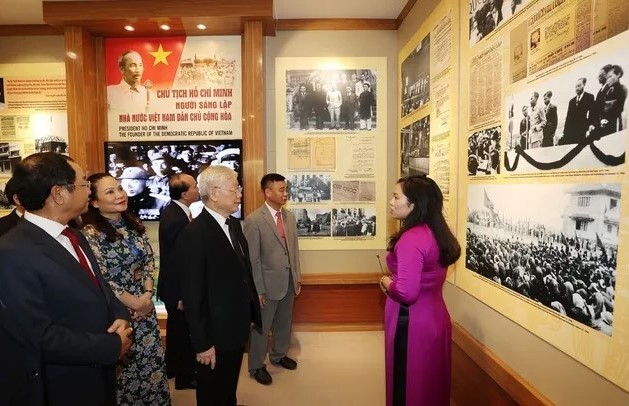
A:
(234, 237)
(75, 244)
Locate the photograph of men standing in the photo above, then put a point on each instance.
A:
(130, 95)
(581, 111)
(551, 120)
(58, 313)
(219, 296)
(271, 233)
(180, 357)
(537, 118)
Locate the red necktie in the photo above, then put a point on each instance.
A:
(280, 225)
(75, 244)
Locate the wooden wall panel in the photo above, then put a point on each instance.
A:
(338, 24)
(28, 29)
(83, 105)
(253, 113)
(502, 376)
(340, 304)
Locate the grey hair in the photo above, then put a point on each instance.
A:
(214, 176)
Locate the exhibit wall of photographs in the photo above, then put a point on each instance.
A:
(32, 114)
(428, 88)
(331, 145)
(542, 210)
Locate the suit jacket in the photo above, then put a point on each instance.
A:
(217, 288)
(271, 261)
(578, 118)
(55, 318)
(537, 117)
(551, 121)
(8, 222)
(612, 108)
(173, 219)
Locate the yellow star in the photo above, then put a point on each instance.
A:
(160, 55)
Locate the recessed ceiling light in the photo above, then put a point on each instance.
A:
(201, 26)
(129, 28)
(165, 27)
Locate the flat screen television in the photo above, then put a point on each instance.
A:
(143, 168)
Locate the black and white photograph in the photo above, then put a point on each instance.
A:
(354, 222)
(51, 132)
(483, 152)
(3, 103)
(51, 143)
(143, 168)
(331, 100)
(415, 148)
(10, 156)
(575, 120)
(416, 77)
(559, 250)
(5, 205)
(312, 221)
(309, 188)
(487, 15)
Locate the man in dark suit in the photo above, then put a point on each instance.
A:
(219, 296)
(551, 120)
(271, 233)
(180, 357)
(58, 313)
(600, 98)
(581, 110)
(10, 220)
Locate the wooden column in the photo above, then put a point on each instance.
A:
(253, 113)
(85, 100)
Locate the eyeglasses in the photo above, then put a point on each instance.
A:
(237, 190)
(86, 184)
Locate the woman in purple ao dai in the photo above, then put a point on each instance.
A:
(417, 324)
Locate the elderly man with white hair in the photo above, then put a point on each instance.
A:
(218, 291)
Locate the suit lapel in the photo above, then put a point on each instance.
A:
(57, 252)
(270, 221)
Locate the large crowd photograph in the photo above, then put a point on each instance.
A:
(416, 78)
(559, 250)
(331, 100)
(354, 222)
(575, 120)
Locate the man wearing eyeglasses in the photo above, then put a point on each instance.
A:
(219, 295)
(57, 314)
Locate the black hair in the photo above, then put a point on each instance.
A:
(270, 178)
(177, 186)
(37, 174)
(427, 200)
(11, 189)
(100, 222)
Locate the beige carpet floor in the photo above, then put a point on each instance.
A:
(335, 368)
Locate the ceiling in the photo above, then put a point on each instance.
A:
(30, 11)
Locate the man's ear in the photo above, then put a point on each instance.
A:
(59, 194)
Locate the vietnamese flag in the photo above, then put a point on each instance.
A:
(160, 57)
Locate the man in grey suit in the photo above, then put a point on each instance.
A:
(271, 233)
